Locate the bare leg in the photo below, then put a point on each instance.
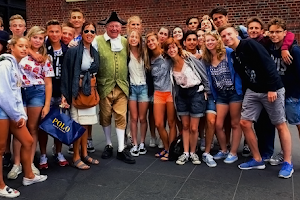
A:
(210, 130)
(194, 123)
(159, 117)
(235, 115)
(23, 135)
(133, 108)
(222, 111)
(34, 114)
(142, 111)
(186, 132)
(285, 141)
(250, 138)
(171, 115)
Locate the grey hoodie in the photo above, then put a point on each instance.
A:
(10, 88)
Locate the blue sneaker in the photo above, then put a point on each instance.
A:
(221, 155)
(252, 164)
(231, 158)
(286, 170)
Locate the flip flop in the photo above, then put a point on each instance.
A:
(82, 166)
(94, 161)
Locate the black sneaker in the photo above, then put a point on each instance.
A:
(90, 146)
(246, 151)
(126, 157)
(108, 152)
(6, 159)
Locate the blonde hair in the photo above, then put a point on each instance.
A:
(130, 19)
(17, 16)
(37, 30)
(147, 52)
(220, 48)
(140, 45)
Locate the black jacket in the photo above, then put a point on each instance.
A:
(255, 67)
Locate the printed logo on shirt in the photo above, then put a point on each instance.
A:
(280, 65)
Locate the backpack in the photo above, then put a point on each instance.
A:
(176, 148)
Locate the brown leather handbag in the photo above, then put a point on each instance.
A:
(82, 101)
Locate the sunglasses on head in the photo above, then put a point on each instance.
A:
(87, 31)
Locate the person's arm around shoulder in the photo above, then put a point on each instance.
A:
(8, 104)
(288, 41)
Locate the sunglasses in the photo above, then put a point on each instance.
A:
(87, 31)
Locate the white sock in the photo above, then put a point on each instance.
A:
(107, 133)
(121, 139)
(187, 154)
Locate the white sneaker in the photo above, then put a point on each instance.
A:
(34, 169)
(182, 159)
(134, 151)
(195, 159)
(202, 144)
(14, 172)
(160, 144)
(36, 179)
(152, 142)
(9, 192)
(142, 150)
(209, 160)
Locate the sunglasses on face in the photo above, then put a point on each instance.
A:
(87, 31)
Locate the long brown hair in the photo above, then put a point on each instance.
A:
(147, 52)
(140, 45)
(220, 48)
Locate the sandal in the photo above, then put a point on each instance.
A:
(9, 192)
(80, 165)
(93, 161)
(165, 157)
(161, 154)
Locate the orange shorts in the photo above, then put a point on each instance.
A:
(162, 97)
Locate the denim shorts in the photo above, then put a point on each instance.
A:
(190, 102)
(292, 110)
(211, 105)
(33, 96)
(3, 114)
(138, 93)
(228, 96)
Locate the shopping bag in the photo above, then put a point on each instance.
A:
(61, 126)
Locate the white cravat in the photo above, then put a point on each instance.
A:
(115, 44)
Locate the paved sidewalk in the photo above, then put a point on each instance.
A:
(153, 179)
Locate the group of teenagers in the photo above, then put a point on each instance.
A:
(212, 79)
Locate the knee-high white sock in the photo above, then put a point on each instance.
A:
(107, 133)
(121, 138)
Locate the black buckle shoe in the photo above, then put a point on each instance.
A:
(108, 152)
(125, 156)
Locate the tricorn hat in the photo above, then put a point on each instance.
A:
(112, 18)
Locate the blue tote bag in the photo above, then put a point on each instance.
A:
(61, 126)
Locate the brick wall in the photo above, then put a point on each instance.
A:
(155, 13)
